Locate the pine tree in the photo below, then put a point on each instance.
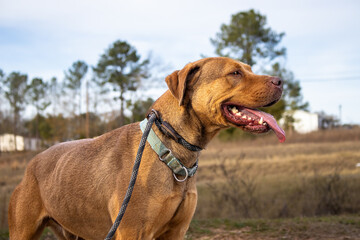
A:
(121, 70)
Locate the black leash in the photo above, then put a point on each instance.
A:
(168, 130)
(152, 117)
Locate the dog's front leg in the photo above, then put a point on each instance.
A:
(179, 224)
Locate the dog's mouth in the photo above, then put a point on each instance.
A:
(252, 120)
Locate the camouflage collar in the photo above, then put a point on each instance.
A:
(166, 156)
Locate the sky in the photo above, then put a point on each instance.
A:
(42, 38)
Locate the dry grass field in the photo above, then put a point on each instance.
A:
(306, 188)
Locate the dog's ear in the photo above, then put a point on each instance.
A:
(178, 80)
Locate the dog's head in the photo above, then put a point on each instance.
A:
(224, 92)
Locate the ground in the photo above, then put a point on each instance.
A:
(324, 228)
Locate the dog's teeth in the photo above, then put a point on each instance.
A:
(234, 110)
(249, 118)
(238, 114)
(261, 120)
(244, 117)
(264, 124)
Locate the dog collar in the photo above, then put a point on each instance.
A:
(166, 156)
(169, 131)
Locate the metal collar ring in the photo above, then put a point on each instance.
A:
(186, 175)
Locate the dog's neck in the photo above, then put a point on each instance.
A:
(185, 121)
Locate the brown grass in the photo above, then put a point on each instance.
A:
(309, 175)
(265, 179)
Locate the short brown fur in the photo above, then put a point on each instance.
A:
(77, 187)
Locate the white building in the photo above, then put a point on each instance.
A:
(305, 122)
(7, 143)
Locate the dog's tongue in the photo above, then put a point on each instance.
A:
(271, 121)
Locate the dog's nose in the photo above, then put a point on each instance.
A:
(277, 81)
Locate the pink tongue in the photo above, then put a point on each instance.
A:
(271, 121)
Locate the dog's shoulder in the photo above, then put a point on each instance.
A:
(120, 136)
(104, 141)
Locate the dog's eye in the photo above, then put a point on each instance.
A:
(236, 73)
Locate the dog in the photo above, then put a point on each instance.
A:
(76, 188)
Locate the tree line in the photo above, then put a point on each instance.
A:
(58, 104)
(117, 77)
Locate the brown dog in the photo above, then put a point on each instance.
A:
(77, 187)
